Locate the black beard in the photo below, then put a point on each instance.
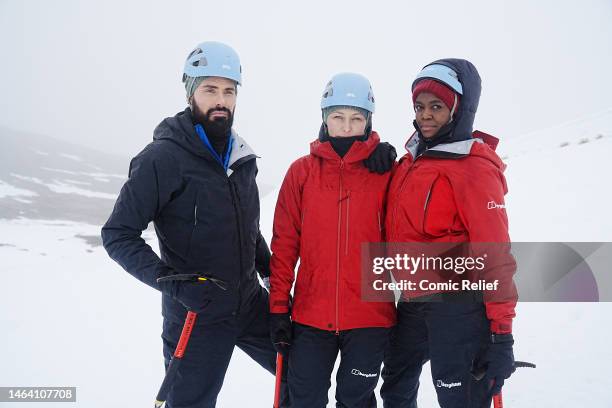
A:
(218, 129)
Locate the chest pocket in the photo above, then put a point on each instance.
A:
(440, 215)
(432, 210)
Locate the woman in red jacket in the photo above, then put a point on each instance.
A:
(329, 204)
(449, 188)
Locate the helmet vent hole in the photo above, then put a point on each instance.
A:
(194, 52)
(202, 62)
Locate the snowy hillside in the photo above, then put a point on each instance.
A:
(71, 317)
(559, 181)
(45, 178)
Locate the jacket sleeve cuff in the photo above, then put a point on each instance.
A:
(279, 309)
(279, 306)
(501, 326)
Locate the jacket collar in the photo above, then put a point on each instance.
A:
(360, 150)
(180, 130)
(481, 145)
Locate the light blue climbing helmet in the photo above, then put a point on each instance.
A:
(348, 89)
(441, 73)
(212, 58)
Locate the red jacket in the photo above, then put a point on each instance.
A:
(452, 193)
(326, 208)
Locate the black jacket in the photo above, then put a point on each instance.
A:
(206, 219)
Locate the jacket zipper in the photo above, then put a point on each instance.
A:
(426, 207)
(425, 210)
(193, 227)
(346, 244)
(338, 248)
(427, 199)
(235, 199)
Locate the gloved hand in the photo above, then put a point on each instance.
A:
(498, 361)
(195, 296)
(382, 158)
(281, 332)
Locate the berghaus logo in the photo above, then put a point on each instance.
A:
(442, 384)
(491, 205)
(355, 371)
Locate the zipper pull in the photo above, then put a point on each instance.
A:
(195, 215)
(337, 332)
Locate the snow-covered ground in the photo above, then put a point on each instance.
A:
(71, 317)
(8, 190)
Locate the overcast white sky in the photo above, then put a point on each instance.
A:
(104, 73)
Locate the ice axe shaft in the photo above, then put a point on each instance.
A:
(175, 362)
(279, 375)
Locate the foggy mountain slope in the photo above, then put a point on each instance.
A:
(46, 178)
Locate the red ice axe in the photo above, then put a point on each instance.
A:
(279, 375)
(497, 401)
(175, 362)
(179, 352)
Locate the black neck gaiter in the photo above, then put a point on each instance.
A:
(341, 145)
(444, 135)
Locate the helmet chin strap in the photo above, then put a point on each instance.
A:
(452, 112)
(324, 123)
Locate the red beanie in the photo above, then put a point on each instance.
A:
(442, 91)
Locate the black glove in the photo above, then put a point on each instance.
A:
(195, 296)
(280, 332)
(497, 361)
(382, 158)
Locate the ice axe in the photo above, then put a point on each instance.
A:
(279, 375)
(176, 360)
(497, 399)
(179, 352)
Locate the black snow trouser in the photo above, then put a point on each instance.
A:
(311, 362)
(209, 350)
(450, 334)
